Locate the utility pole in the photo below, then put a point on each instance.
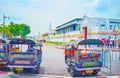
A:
(4, 17)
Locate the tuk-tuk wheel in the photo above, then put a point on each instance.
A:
(73, 72)
(15, 71)
(37, 71)
(7, 69)
(95, 73)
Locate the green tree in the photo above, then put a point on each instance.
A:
(19, 29)
(6, 29)
(1, 28)
(25, 30)
(15, 29)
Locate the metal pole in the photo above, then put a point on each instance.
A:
(110, 63)
(4, 17)
(3, 24)
(63, 37)
(102, 55)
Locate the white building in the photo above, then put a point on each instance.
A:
(97, 28)
(67, 31)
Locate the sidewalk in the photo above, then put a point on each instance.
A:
(63, 47)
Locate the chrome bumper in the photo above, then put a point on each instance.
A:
(22, 66)
(92, 68)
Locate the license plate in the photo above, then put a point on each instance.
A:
(2, 62)
(89, 71)
(19, 69)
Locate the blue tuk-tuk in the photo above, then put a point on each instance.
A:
(23, 57)
(3, 54)
(87, 59)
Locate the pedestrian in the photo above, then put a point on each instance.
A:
(119, 43)
(108, 43)
(113, 43)
(104, 41)
(67, 52)
(40, 42)
(31, 48)
(73, 50)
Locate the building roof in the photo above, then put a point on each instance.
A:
(77, 19)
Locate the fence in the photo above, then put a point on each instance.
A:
(111, 62)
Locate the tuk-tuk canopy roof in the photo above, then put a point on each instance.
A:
(21, 41)
(2, 41)
(91, 42)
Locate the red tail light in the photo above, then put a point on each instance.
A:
(100, 64)
(82, 72)
(11, 62)
(4, 59)
(79, 66)
(40, 50)
(33, 63)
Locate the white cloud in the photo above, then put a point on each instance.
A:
(93, 3)
(39, 13)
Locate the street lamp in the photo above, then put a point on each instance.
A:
(4, 17)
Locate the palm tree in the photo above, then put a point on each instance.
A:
(6, 29)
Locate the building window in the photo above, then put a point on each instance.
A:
(114, 27)
(74, 27)
(110, 27)
(119, 27)
(79, 28)
(102, 25)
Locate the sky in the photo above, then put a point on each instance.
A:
(40, 13)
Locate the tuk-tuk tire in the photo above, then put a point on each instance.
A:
(94, 73)
(7, 69)
(74, 72)
(38, 70)
(15, 71)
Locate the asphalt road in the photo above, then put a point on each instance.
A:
(53, 62)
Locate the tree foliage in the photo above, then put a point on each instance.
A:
(6, 30)
(25, 29)
(19, 29)
(14, 29)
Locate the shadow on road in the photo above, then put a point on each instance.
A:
(28, 74)
(42, 70)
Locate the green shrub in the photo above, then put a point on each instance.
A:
(52, 42)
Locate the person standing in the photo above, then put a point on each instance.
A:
(41, 44)
(31, 48)
(73, 50)
(67, 52)
(108, 43)
(113, 43)
(119, 43)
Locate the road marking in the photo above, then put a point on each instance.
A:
(55, 76)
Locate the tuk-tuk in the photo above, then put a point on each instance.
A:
(3, 54)
(68, 48)
(25, 57)
(87, 59)
(39, 46)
